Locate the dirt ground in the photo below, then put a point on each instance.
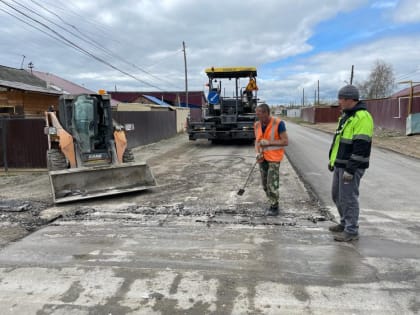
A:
(383, 138)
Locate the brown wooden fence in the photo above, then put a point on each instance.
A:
(24, 145)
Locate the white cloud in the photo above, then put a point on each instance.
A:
(333, 69)
(220, 33)
(384, 4)
(407, 11)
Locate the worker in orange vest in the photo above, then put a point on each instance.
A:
(270, 138)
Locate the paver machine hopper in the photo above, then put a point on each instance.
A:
(87, 153)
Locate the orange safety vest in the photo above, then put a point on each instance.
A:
(271, 153)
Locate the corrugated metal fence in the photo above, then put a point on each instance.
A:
(150, 126)
(388, 113)
(391, 113)
(24, 145)
(320, 114)
(195, 114)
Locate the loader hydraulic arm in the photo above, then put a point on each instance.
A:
(61, 137)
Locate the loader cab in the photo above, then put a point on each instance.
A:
(88, 118)
(85, 121)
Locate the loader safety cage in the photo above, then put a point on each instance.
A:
(227, 117)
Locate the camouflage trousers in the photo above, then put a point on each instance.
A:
(270, 180)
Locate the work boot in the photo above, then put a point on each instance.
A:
(338, 228)
(346, 237)
(273, 211)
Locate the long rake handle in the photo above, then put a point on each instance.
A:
(249, 175)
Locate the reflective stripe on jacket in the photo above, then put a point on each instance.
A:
(271, 153)
(353, 140)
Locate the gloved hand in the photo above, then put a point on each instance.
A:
(264, 143)
(259, 157)
(347, 177)
(330, 167)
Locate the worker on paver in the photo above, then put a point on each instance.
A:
(349, 158)
(270, 138)
(251, 86)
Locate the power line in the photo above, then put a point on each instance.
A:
(63, 6)
(91, 40)
(164, 58)
(408, 73)
(33, 26)
(77, 47)
(88, 39)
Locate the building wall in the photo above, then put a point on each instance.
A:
(181, 118)
(28, 103)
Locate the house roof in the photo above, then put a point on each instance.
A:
(60, 84)
(21, 76)
(27, 87)
(196, 98)
(64, 86)
(406, 91)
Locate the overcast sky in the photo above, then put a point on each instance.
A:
(293, 43)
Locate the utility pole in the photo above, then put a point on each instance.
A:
(303, 97)
(318, 93)
(352, 73)
(315, 98)
(186, 77)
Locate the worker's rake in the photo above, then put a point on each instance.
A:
(242, 190)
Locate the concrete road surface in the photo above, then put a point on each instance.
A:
(193, 246)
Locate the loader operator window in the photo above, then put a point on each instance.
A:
(84, 121)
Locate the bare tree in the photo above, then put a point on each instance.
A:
(380, 83)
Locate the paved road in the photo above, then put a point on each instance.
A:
(194, 247)
(391, 183)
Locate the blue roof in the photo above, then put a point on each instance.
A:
(156, 100)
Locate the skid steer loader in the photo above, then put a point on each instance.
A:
(87, 153)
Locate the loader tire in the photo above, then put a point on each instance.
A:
(56, 160)
(128, 156)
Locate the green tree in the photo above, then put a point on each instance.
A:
(380, 83)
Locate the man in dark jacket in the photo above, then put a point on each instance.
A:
(349, 158)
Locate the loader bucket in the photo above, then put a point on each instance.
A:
(91, 182)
